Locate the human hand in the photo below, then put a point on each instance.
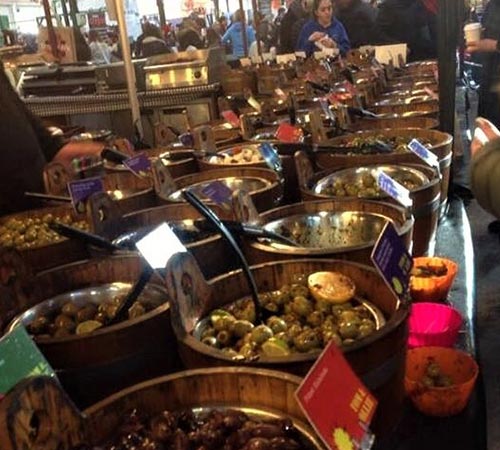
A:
(328, 42)
(316, 36)
(483, 45)
(485, 131)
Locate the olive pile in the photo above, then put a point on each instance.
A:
(71, 319)
(297, 323)
(397, 144)
(429, 271)
(434, 376)
(240, 155)
(215, 430)
(34, 232)
(366, 186)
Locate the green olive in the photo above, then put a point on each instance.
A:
(210, 341)
(136, 310)
(88, 312)
(70, 309)
(228, 351)
(276, 324)
(365, 329)
(349, 330)
(349, 316)
(247, 351)
(299, 290)
(242, 327)
(224, 323)
(39, 325)
(323, 307)
(261, 334)
(224, 337)
(306, 341)
(63, 321)
(330, 335)
(301, 306)
(315, 319)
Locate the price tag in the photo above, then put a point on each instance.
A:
(337, 403)
(392, 260)
(187, 140)
(267, 57)
(245, 62)
(286, 58)
(423, 152)
(290, 134)
(159, 246)
(257, 59)
(231, 117)
(139, 165)
(392, 188)
(81, 190)
(219, 193)
(301, 54)
(271, 157)
(254, 103)
(19, 359)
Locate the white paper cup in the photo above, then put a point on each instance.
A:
(472, 32)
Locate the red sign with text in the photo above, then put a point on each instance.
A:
(289, 133)
(336, 402)
(231, 118)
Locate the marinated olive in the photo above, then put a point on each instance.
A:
(261, 334)
(63, 321)
(276, 324)
(349, 330)
(301, 306)
(39, 325)
(306, 341)
(136, 310)
(242, 327)
(70, 309)
(86, 313)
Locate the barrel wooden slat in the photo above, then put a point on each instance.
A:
(264, 199)
(177, 168)
(378, 360)
(399, 122)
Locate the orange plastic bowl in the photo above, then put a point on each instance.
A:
(440, 401)
(432, 289)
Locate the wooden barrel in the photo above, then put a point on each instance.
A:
(236, 82)
(182, 162)
(379, 359)
(396, 122)
(398, 107)
(111, 224)
(50, 255)
(263, 393)
(264, 199)
(95, 365)
(442, 147)
(291, 187)
(425, 210)
(259, 252)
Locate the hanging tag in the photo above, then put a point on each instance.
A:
(280, 93)
(159, 246)
(423, 152)
(392, 188)
(139, 165)
(289, 134)
(271, 157)
(286, 58)
(254, 103)
(20, 358)
(81, 190)
(392, 260)
(219, 193)
(245, 62)
(337, 403)
(231, 118)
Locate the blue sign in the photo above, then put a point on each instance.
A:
(219, 193)
(81, 190)
(139, 165)
(392, 188)
(271, 157)
(187, 139)
(392, 260)
(423, 152)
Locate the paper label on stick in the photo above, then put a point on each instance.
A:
(252, 101)
(219, 193)
(271, 157)
(231, 118)
(337, 403)
(392, 188)
(81, 190)
(139, 165)
(289, 133)
(423, 152)
(392, 260)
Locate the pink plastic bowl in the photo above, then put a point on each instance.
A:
(433, 324)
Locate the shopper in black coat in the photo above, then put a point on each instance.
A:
(291, 25)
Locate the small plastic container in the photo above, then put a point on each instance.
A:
(432, 288)
(433, 324)
(440, 401)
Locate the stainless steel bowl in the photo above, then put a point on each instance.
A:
(154, 294)
(328, 230)
(355, 175)
(248, 184)
(234, 155)
(405, 100)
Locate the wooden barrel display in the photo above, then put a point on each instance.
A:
(441, 144)
(130, 191)
(264, 186)
(178, 162)
(395, 122)
(125, 230)
(357, 213)
(401, 106)
(236, 82)
(28, 231)
(426, 199)
(93, 365)
(248, 155)
(379, 359)
(264, 395)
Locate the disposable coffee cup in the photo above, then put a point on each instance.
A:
(472, 32)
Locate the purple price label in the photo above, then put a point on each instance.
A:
(81, 190)
(187, 139)
(393, 261)
(140, 164)
(219, 193)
